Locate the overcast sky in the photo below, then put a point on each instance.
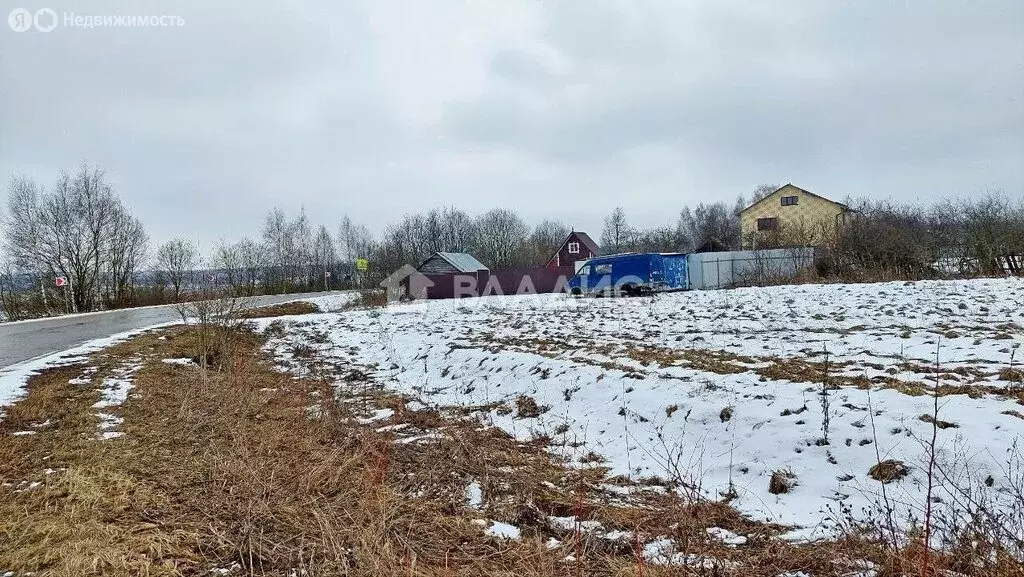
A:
(556, 108)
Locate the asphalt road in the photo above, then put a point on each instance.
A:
(21, 341)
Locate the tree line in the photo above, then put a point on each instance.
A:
(980, 234)
(78, 228)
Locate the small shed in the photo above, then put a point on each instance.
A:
(576, 248)
(451, 263)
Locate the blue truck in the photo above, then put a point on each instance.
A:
(632, 274)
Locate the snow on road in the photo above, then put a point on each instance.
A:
(719, 389)
(13, 378)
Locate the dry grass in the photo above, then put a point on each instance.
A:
(1011, 375)
(792, 369)
(281, 310)
(367, 298)
(257, 470)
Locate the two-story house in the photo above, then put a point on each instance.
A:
(791, 216)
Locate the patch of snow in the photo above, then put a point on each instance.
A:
(420, 438)
(663, 551)
(503, 530)
(180, 361)
(474, 495)
(569, 524)
(378, 415)
(577, 358)
(726, 536)
(114, 393)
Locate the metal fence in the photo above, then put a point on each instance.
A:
(714, 270)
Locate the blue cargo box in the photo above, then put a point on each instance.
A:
(631, 274)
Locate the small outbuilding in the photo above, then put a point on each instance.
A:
(576, 248)
(451, 263)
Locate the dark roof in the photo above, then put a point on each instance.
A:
(583, 237)
(757, 202)
(587, 241)
(461, 261)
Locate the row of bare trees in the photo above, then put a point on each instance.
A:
(973, 235)
(499, 238)
(79, 230)
(714, 224)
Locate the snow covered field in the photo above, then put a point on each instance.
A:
(718, 389)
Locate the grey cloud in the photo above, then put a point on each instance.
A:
(558, 109)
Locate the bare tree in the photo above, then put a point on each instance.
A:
(252, 260)
(299, 257)
(176, 261)
(617, 232)
(354, 241)
(228, 260)
(275, 242)
(501, 236)
(128, 249)
(324, 256)
(547, 237)
(10, 297)
(714, 223)
(66, 232)
(761, 191)
(661, 239)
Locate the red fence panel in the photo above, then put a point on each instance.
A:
(510, 281)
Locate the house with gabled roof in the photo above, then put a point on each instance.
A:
(576, 248)
(791, 216)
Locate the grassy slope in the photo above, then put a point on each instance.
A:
(248, 468)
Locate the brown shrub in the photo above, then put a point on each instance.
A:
(888, 471)
(938, 423)
(527, 408)
(781, 482)
(726, 414)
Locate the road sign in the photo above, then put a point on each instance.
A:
(62, 281)
(362, 264)
(327, 274)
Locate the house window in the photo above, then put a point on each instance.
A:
(790, 200)
(767, 224)
(574, 248)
